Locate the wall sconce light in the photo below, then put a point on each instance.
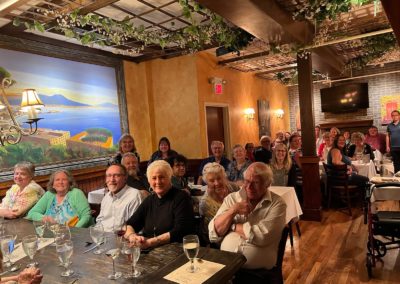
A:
(279, 113)
(249, 113)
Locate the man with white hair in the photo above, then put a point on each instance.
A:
(217, 149)
(251, 220)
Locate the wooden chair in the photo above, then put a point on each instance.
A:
(265, 276)
(338, 185)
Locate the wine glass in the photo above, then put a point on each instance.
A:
(133, 254)
(119, 231)
(53, 228)
(2, 225)
(98, 236)
(64, 250)
(39, 228)
(7, 246)
(191, 247)
(114, 253)
(62, 233)
(191, 182)
(30, 246)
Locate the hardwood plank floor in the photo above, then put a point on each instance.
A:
(334, 251)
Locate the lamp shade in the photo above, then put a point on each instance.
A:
(30, 98)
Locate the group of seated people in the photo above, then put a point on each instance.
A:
(238, 209)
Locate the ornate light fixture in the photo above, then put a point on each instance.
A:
(249, 113)
(11, 131)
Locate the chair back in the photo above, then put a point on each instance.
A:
(281, 247)
(336, 175)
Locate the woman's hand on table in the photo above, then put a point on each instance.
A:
(10, 214)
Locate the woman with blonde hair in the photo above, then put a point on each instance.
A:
(23, 194)
(282, 166)
(126, 144)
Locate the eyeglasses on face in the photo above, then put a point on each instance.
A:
(114, 175)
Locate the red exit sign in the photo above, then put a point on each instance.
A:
(218, 88)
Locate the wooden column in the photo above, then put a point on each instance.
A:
(309, 161)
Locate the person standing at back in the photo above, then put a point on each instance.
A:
(264, 153)
(393, 140)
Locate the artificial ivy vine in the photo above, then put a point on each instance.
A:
(91, 29)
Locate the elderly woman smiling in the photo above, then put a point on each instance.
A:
(23, 194)
(163, 217)
(62, 203)
(218, 187)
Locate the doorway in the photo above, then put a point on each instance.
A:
(217, 124)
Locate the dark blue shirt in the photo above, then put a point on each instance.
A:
(224, 162)
(394, 134)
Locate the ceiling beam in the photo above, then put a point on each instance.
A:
(12, 7)
(96, 5)
(277, 69)
(271, 23)
(243, 58)
(392, 10)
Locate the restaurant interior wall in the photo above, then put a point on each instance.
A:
(378, 86)
(168, 97)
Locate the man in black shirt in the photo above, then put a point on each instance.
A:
(264, 153)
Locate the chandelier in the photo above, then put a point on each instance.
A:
(11, 131)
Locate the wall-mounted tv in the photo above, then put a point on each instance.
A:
(344, 98)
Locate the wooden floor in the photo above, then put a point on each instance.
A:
(334, 251)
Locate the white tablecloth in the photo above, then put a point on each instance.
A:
(288, 194)
(388, 168)
(365, 169)
(96, 196)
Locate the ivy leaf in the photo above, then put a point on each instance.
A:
(16, 22)
(39, 26)
(85, 39)
(74, 15)
(69, 33)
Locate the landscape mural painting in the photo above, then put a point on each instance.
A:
(81, 118)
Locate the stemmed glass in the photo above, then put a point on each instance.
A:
(53, 228)
(191, 247)
(114, 253)
(62, 233)
(133, 254)
(39, 228)
(64, 250)
(98, 236)
(7, 247)
(30, 246)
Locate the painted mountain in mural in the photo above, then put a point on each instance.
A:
(56, 99)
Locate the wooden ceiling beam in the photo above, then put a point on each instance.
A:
(277, 69)
(271, 23)
(96, 5)
(243, 58)
(12, 7)
(392, 10)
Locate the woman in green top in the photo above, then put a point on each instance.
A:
(62, 203)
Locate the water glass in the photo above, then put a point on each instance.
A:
(191, 246)
(134, 255)
(114, 253)
(30, 246)
(7, 243)
(39, 228)
(98, 236)
(64, 251)
(191, 181)
(62, 233)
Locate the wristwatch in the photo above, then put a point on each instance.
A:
(233, 227)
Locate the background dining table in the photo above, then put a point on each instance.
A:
(90, 268)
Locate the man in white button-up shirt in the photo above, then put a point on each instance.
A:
(120, 202)
(251, 220)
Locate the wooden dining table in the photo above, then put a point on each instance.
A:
(91, 268)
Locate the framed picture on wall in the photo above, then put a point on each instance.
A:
(264, 118)
(82, 117)
(389, 103)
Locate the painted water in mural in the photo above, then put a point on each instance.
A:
(81, 119)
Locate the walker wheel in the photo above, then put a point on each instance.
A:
(369, 265)
(379, 248)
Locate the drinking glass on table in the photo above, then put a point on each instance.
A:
(64, 251)
(39, 228)
(98, 236)
(30, 246)
(114, 253)
(7, 243)
(133, 253)
(191, 246)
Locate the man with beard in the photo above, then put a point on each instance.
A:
(135, 178)
(121, 200)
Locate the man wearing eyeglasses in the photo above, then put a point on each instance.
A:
(251, 220)
(119, 202)
(393, 140)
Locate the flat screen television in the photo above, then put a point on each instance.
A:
(345, 98)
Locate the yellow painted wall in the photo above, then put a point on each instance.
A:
(242, 90)
(168, 98)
